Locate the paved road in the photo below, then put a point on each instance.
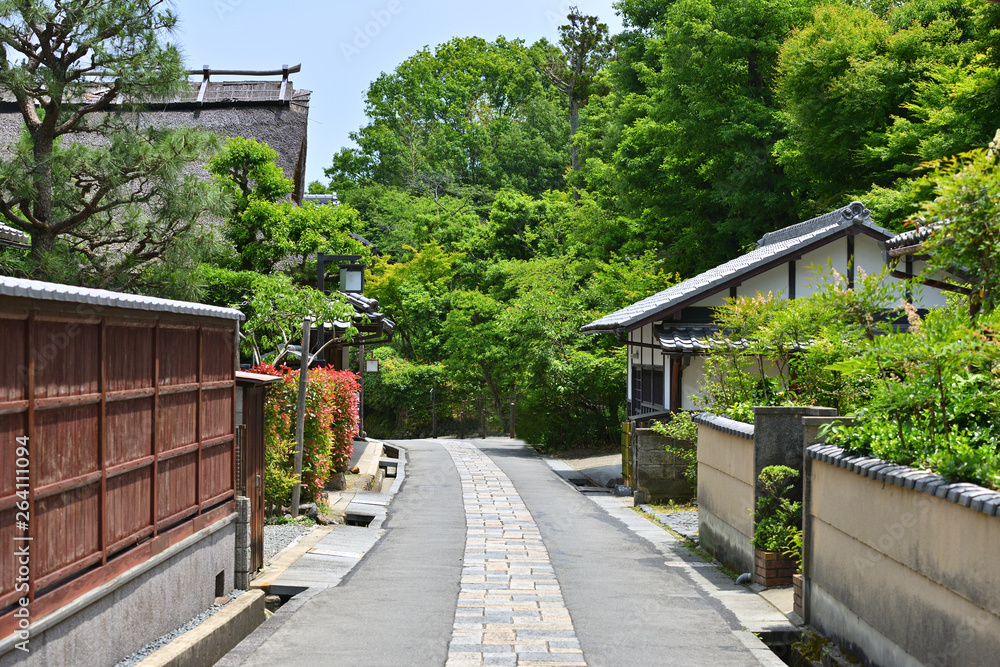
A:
(490, 558)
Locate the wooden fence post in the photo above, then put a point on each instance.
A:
(434, 416)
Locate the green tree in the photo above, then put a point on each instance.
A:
(274, 307)
(267, 229)
(416, 294)
(868, 96)
(966, 214)
(586, 50)
(692, 123)
(467, 113)
(90, 178)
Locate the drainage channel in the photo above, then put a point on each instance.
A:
(586, 486)
(780, 644)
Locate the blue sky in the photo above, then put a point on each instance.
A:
(343, 46)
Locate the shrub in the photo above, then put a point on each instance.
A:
(773, 351)
(936, 397)
(330, 425)
(778, 512)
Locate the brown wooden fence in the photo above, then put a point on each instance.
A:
(130, 425)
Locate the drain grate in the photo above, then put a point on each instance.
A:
(362, 520)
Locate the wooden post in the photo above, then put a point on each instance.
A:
(482, 425)
(434, 416)
(361, 396)
(461, 424)
(300, 414)
(513, 429)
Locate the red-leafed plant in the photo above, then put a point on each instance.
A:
(330, 425)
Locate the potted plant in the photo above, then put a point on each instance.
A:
(778, 513)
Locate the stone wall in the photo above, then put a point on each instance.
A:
(900, 565)
(112, 622)
(660, 475)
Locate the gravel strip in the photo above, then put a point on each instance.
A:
(151, 647)
(279, 536)
(685, 523)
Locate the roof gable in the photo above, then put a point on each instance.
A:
(774, 248)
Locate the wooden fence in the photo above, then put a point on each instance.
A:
(129, 423)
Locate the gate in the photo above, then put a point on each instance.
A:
(253, 406)
(251, 472)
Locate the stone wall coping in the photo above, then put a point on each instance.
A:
(724, 424)
(804, 410)
(973, 496)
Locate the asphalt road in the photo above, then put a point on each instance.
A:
(625, 605)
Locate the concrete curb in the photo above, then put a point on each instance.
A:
(368, 465)
(210, 641)
(287, 557)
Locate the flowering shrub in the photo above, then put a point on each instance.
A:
(330, 425)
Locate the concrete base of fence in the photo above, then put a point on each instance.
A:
(242, 571)
(726, 543)
(112, 622)
(207, 643)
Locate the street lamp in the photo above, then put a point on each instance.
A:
(352, 278)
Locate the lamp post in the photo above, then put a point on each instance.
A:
(351, 280)
(300, 414)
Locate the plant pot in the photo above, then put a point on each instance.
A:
(797, 605)
(772, 568)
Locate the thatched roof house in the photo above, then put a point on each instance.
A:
(271, 111)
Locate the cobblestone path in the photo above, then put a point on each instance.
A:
(510, 609)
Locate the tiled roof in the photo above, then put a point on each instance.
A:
(686, 338)
(911, 238)
(784, 243)
(368, 307)
(13, 237)
(35, 289)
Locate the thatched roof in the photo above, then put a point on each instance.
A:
(253, 109)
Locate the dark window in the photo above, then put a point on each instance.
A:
(658, 386)
(650, 385)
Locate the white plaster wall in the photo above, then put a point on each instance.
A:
(775, 280)
(867, 255)
(692, 378)
(714, 301)
(833, 254)
(642, 355)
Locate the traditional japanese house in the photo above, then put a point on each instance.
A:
(669, 334)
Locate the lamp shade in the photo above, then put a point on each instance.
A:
(352, 279)
(371, 365)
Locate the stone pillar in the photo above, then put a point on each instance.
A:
(777, 438)
(242, 578)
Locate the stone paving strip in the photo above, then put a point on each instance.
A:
(510, 608)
